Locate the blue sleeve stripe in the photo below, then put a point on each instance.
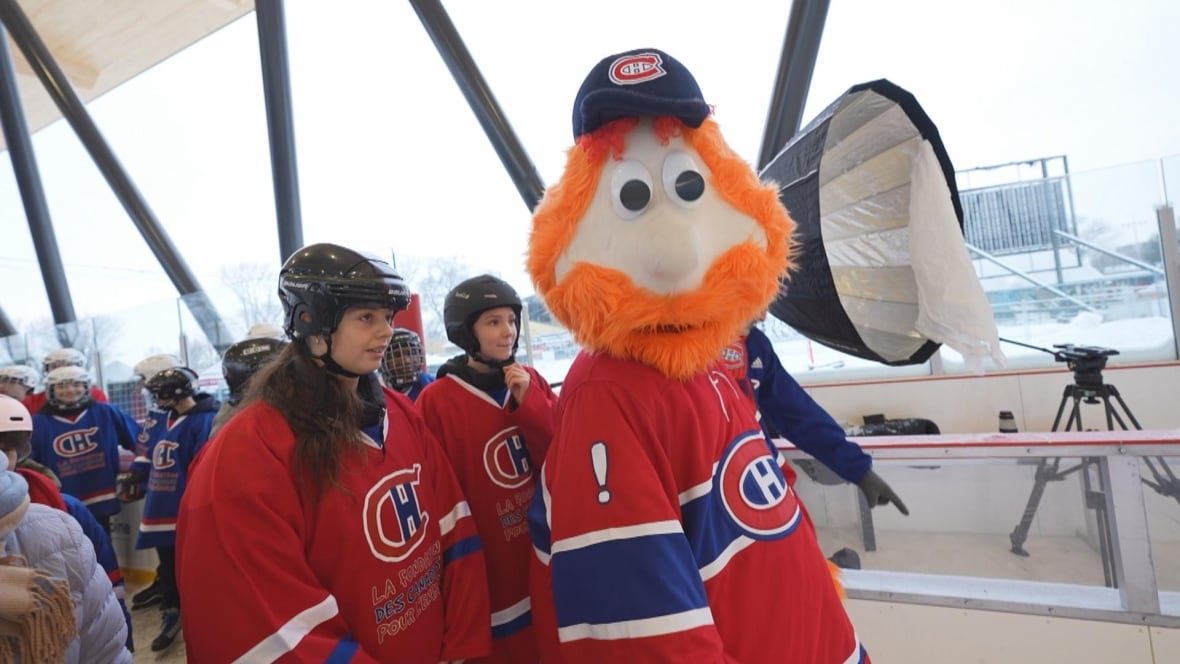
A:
(512, 626)
(538, 519)
(622, 580)
(637, 629)
(593, 538)
(343, 652)
(709, 528)
(461, 548)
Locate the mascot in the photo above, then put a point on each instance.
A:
(666, 528)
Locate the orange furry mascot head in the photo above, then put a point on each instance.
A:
(658, 244)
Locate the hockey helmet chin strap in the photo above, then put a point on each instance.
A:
(330, 364)
(495, 364)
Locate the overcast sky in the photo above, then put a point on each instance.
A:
(392, 160)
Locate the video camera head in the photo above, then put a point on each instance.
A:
(1071, 353)
(1086, 362)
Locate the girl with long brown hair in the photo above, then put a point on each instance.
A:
(323, 522)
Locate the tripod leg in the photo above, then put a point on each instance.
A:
(1042, 476)
(1044, 473)
(1075, 416)
(1061, 408)
(1096, 501)
(1111, 416)
(1131, 416)
(1165, 483)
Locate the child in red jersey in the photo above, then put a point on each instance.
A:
(325, 507)
(495, 419)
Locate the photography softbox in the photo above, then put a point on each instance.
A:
(882, 270)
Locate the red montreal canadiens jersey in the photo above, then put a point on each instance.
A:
(665, 530)
(385, 568)
(496, 453)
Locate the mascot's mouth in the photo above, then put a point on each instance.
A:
(666, 328)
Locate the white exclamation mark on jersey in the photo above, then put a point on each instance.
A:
(598, 459)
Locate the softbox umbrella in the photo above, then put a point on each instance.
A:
(882, 269)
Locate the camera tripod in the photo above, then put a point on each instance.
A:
(1089, 388)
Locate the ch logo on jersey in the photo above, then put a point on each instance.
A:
(164, 454)
(75, 443)
(395, 523)
(638, 68)
(734, 359)
(506, 459)
(754, 491)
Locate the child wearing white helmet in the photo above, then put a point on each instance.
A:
(78, 439)
(18, 381)
(56, 359)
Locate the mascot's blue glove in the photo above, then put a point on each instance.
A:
(878, 492)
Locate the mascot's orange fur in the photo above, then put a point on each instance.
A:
(679, 333)
(665, 527)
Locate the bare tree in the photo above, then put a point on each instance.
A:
(432, 279)
(93, 336)
(201, 354)
(254, 285)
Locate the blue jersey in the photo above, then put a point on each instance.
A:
(152, 427)
(83, 451)
(790, 412)
(171, 453)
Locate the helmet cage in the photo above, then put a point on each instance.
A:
(404, 359)
(67, 375)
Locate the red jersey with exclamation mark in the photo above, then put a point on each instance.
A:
(665, 530)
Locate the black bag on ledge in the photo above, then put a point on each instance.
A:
(877, 425)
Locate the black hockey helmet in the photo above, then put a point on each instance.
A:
(242, 359)
(404, 358)
(171, 385)
(323, 280)
(471, 298)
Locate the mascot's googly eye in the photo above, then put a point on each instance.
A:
(683, 181)
(630, 189)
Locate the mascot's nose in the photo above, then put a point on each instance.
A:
(670, 252)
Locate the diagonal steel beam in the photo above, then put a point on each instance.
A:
(7, 329)
(71, 107)
(479, 96)
(805, 26)
(28, 180)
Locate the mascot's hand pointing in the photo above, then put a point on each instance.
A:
(878, 492)
(518, 381)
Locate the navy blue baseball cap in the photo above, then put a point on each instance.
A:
(644, 82)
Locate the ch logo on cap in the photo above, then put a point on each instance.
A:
(637, 68)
